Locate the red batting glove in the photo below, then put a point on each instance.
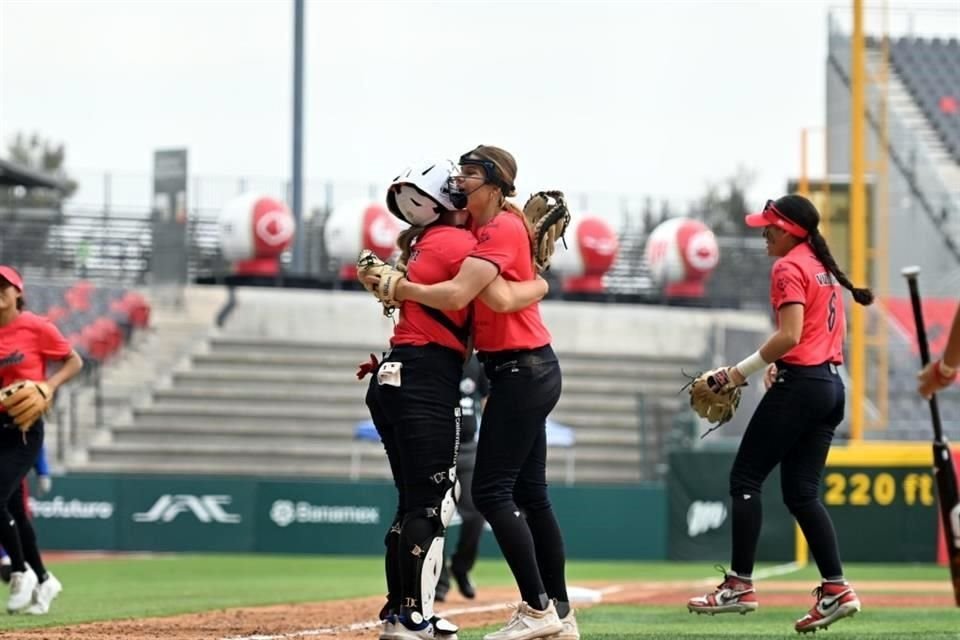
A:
(366, 368)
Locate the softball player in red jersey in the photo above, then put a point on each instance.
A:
(414, 399)
(794, 424)
(509, 484)
(27, 341)
(942, 373)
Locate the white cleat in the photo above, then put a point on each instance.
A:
(44, 595)
(570, 629)
(389, 630)
(527, 623)
(414, 627)
(22, 585)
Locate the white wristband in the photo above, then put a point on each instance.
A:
(751, 364)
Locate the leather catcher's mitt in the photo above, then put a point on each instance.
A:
(714, 396)
(26, 401)
(549, 217)
(368, 264)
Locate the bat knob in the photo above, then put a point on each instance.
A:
(910, 272)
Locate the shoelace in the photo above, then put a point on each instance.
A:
(721, 569)
(517, 613)
(817, 592)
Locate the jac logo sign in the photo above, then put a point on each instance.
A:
(206, 509)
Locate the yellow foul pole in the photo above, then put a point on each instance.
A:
(858, 221)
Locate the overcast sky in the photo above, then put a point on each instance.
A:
(638, 98)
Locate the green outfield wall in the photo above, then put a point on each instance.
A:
(208, 513)
(881, 497)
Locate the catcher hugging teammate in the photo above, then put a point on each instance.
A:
(27, 341)
(509, 484)
(414, 396)
(794, 424)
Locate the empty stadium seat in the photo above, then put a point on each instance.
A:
(931, 71)
(96, 320)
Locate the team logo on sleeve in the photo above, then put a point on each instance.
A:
(14, 358)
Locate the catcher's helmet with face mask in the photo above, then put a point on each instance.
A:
(419, 196)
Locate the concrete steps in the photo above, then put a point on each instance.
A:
(242, 405)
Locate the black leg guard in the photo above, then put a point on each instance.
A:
(392, 569)
(421, 547)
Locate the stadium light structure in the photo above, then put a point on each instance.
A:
(296, 179)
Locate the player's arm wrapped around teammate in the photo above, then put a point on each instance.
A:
(549, 218)
(380, 278)
(714, 396)
(26, 401)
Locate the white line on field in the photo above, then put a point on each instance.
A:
(768, 572)
(760, 574)
(363, 626)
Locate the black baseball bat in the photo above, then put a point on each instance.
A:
(943, 470)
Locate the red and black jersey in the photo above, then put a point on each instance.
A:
(436, 257)
(505, 242)
(25, 346)
(800, 278)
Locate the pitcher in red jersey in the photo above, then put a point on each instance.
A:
(27, 342)
(794, 424)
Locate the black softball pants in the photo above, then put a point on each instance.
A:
(509, 482)
(18, 454)
(793, 426)
(468, 543)
(419, 425)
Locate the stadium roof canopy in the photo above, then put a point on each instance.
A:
(15, 175)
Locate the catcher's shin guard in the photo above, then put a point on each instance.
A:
(391, 542)
(423, 535)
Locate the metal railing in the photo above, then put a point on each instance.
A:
(117, 247)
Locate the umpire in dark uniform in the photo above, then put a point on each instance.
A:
(474, 389)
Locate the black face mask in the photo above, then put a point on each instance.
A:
(459, 198)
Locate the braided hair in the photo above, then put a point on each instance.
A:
(405, 242)
(800, 210)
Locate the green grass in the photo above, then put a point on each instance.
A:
(615, 622)
(169, 585)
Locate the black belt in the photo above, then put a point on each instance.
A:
(823, 367)
(430, 347)
(522, 357)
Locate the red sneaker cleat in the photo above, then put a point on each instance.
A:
(733, 595)
(834, 601)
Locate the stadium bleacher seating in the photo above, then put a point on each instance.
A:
(97, 320)
(930, 68)
(909, 414)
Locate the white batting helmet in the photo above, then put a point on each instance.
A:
(419, 196)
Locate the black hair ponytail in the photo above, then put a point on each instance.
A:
(864, 295)
(798, 209)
